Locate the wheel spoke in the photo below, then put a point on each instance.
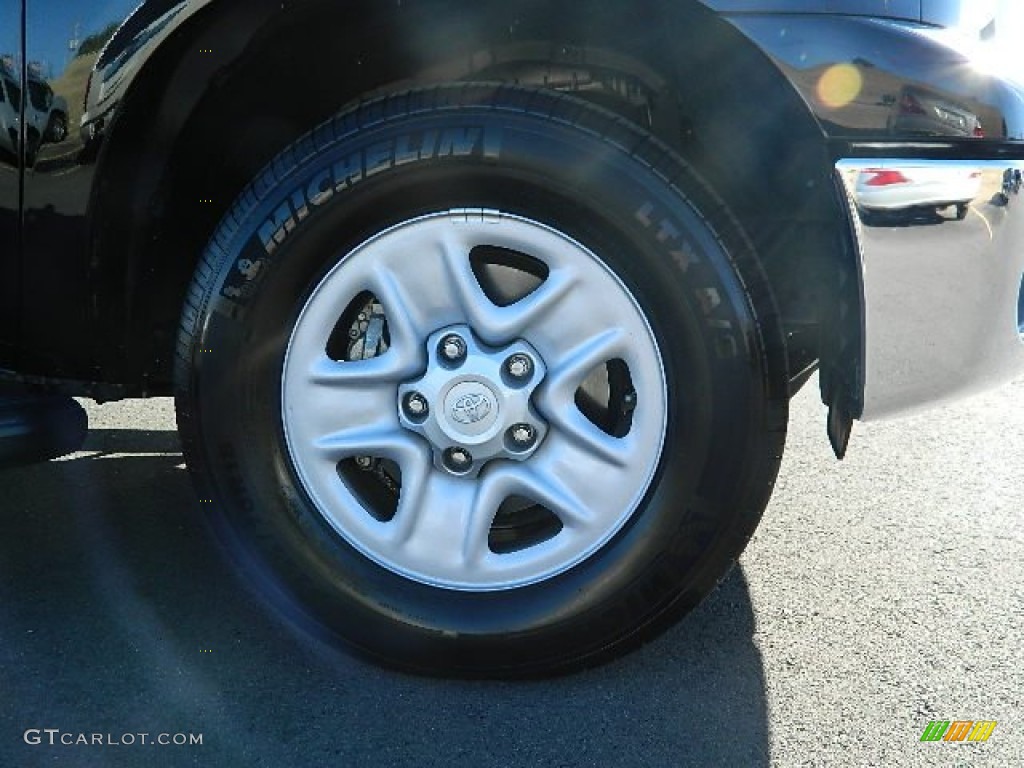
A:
(556, 397)
(339, 406)
(443, 520)
(541, 485)
(518, 318)
(405, 325)
(468, 294)
(583, 486)
(356, 376)
(500, 324)
(567, 373)
(382, 439)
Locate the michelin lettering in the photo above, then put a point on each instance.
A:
(368, 162)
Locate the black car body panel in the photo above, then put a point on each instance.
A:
(855, 75)
(104, 210)
(10, 261)
(945, 13)
(115, 219)
(895, 9)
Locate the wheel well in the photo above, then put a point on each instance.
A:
(178, 154)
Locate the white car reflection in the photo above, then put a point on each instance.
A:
(909, 188)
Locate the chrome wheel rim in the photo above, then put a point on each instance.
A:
(476, 409)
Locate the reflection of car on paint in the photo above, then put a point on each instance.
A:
(117, 65)
(921, 111)
(47, 113)
(10, 96)
(903, 188)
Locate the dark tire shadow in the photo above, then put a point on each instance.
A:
(119, 616)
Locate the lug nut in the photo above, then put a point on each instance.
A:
(458, 459)
(452, 348)
(522, 435)
(519, 366)
(416, 406)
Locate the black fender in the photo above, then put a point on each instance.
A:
(210, 91)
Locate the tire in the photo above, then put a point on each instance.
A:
(869, 217)
(961, 211)
(485, 379)
(57, 130)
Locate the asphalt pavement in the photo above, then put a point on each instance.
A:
(878, 594)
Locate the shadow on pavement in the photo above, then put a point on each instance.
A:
(118, 616)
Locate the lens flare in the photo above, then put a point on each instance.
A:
(840, 85)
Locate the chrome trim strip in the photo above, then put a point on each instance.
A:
(943, 296)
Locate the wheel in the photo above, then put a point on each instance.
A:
(961, 211)
(57, 130)
(485, 379)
